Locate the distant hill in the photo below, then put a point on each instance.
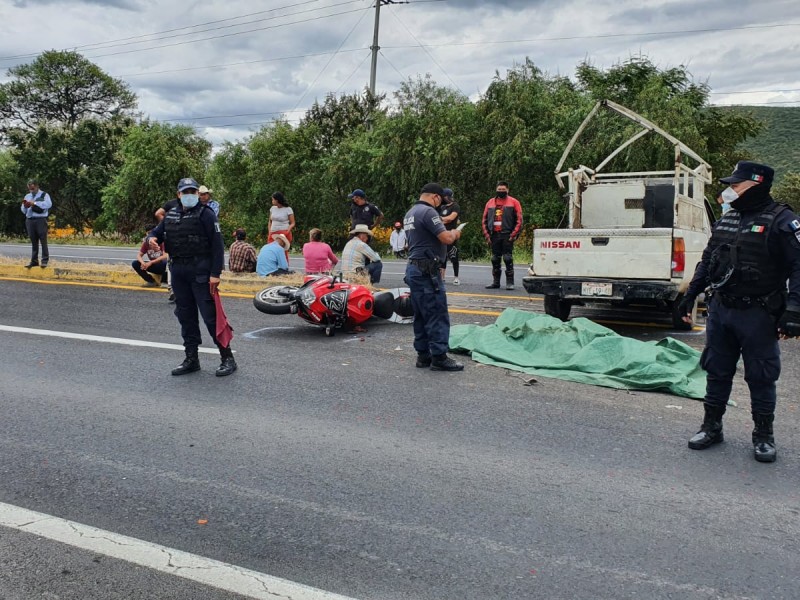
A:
(778, 145)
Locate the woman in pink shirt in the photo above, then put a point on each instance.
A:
(318, 255)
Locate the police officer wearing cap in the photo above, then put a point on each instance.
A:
(427, 243)
(753, 250)
(192, 237)
(363, 212)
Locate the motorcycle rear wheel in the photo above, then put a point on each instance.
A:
(273, 301)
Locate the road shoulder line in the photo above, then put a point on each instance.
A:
(199, 569)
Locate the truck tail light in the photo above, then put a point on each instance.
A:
(678, 257)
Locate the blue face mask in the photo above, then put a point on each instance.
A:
(189, 200)
(726, 206)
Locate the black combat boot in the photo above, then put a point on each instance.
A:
(763, 440)
(227, 364)
(442, 362)
(190, 364)
(711, 430)
(495, 279)
(423, 360)
(510, 278)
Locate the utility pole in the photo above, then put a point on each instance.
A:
(375, 47)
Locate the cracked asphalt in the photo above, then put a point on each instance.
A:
(336, 464)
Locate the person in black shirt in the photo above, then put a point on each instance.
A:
(450, 212)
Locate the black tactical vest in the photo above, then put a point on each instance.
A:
(741, 264)
(184, 235)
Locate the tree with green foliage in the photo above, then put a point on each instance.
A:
(60, 89)
(154, 157)
(11, 219)
(73, 166)
(788, 190)
(64, 119)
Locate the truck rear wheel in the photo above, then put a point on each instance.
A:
(677, 318)
(556, 307)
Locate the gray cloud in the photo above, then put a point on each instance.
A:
(472, 40)
(122, 4)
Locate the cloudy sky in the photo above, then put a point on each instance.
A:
(229, 66)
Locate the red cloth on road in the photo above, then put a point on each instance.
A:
(224, 329)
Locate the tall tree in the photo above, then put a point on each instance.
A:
(60, 89)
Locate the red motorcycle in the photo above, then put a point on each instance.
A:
(332, 303)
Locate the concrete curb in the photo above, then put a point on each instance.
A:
(231, 284)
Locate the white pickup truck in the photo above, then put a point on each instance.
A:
(631, 237)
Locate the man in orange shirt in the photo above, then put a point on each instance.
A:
(502, 224)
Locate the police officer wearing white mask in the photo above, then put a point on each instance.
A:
(192, 238)
(753, 250)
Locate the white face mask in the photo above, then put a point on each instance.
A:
(728, 195)
(726, 206)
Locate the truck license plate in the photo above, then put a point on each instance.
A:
(596, 289)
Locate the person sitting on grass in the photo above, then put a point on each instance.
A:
(318, 255)
(272, 257)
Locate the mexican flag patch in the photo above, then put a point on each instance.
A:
(757, 229)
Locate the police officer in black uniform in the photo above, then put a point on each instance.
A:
(192, 238)
(753, 250)
(427, 243)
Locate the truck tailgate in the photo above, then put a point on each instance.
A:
(604, 253)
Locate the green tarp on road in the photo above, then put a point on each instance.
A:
(582, 351)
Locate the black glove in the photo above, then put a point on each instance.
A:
(685, 306)
(789, 323)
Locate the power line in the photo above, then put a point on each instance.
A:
(363, 60)
(330, 60)
(105, 43)
(598, 36)
(386, 58)
(236, 64)
(216, 37)
(427, 52)
(199, 31)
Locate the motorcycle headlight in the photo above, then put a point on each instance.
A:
(308, 297)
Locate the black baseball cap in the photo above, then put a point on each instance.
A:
(750, 171)
(432, 188)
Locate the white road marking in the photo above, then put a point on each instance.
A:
(195, 568)
(99, 338)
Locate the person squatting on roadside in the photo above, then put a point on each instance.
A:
(159, 214)
(754, 248)
(241, 256)
(192, 238)
(450, 212)
(502, 224)
(36, 207)
(152, 260)
(427, 243)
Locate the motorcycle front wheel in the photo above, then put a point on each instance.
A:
(275, 300)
